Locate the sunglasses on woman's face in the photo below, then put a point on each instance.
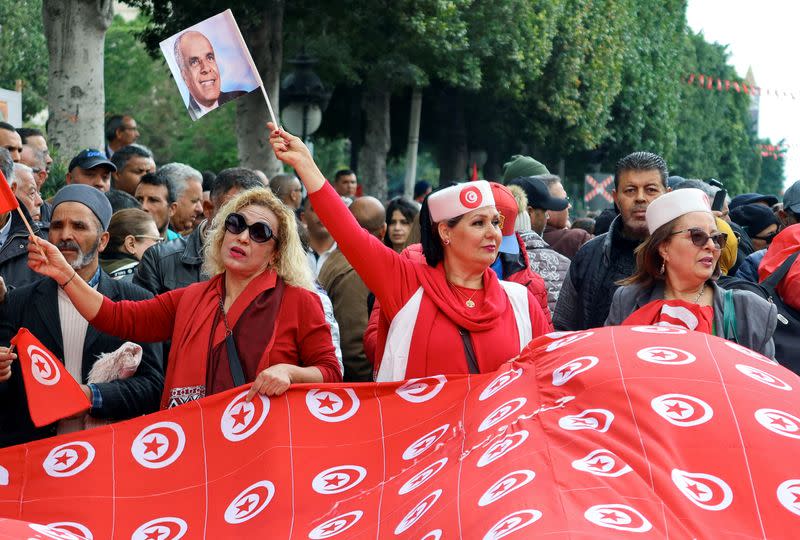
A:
(700, 237)
(259, 231)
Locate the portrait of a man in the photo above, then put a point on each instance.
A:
(211, 64)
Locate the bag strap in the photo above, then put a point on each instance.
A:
(729, 317)
(230, 345)
(772, 281)
(468, 350)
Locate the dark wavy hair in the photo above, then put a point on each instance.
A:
(429, 232)
(405, 207)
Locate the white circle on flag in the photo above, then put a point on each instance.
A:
(508, 483)
(158, 445)
(666, 355)
(763, 377)
(789, 495)
(568, 340)
(338, 479)
(58, 533)
(707, 491)
(68, 459)
(618, 516)
(332, 405)
(659, 329)
(500, 382)
(779, 422)
(424, 443)
(43, 366)
(422, 476)
(421, 390)
(335, 526)
(74, 528)
(174, 528)
(682, 410)
(512, 523)
(250, 502)
(241, 419)
(502, 447)
(501, 413)
(417, 512)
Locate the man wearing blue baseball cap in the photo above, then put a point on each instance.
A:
(92, 168)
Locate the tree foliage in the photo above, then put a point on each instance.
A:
(24, 53)
(714, 136)
(142, 86)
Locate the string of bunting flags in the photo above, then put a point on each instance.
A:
(710, 82)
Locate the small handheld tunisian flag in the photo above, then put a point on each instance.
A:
(52, 392)
(8, 201)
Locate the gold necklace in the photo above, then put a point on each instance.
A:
(469, 303)
(702, 290)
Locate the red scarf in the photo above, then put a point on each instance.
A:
(189, 353)
(674, 313)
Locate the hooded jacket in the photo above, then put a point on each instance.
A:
(546, 262)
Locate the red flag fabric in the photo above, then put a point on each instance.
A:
(52, 392)
(642, 429)
(474, 175)
(8, 201)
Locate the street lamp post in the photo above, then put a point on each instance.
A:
(303, 98)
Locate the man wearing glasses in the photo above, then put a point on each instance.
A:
(120, 131)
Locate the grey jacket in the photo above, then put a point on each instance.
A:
(172, 265)
(755, 317)
(548, 263)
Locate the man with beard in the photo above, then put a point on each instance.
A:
(78, 228)
(197, 62)
(600, 263)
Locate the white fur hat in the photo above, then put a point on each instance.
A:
(675, 204)
(458, 200)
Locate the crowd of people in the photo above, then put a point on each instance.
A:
(230, 278)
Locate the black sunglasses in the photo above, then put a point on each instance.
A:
(259, 231)
(700, 237)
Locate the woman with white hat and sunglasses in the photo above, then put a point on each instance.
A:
(675, 281)
(450, 314)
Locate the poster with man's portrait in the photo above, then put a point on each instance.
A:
(210, 63)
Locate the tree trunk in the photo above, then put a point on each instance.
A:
(413, 142)
(377, 141)
(454, 155)
(266, 46)
(75, 32)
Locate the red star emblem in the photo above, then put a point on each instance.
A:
(612, 516)
(334, 480)
(796, 496)
(245, 506)
(326, 402)
(676, 409)
(566, 370)
(41, 366)
(506, 525)
(501, 488)
(697, 489)
(152, 446)
(331, 527)
(599, 464)
(154, 534)
(240, 417)
(583, 421)
(63, 459)
(780, 421)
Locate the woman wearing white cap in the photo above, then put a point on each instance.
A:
(675, 279)
(450, 314)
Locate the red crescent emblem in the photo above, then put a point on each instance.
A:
(563, 374)
(512, 523)
(618, 516)
(338, 479)
(417, 512)
(501, 413)
(500, 382)
(241, 419)
(332, 405)
(779, 422)
(666, 355)
(682, 410)
(571, 338)
(335, 526)
(424, 443)
(43, 366)
(250, 502)
(158, 445)
(422, 476)
(789, 495)
(62, 532)
(68, 459)
(747, 352)
(706, 491)
(508, 483)
(421, 390)
(602, 462)
(470, 197)
(763, 377)
(76, 530)
(165, 528)
(596, 419)
(502, 447)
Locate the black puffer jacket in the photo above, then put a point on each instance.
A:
(589, 286)
(171, 265)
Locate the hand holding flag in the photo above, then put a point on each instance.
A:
(52, 392)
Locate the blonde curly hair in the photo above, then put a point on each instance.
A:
(290, 261)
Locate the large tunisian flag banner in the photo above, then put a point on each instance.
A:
(651, 431)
